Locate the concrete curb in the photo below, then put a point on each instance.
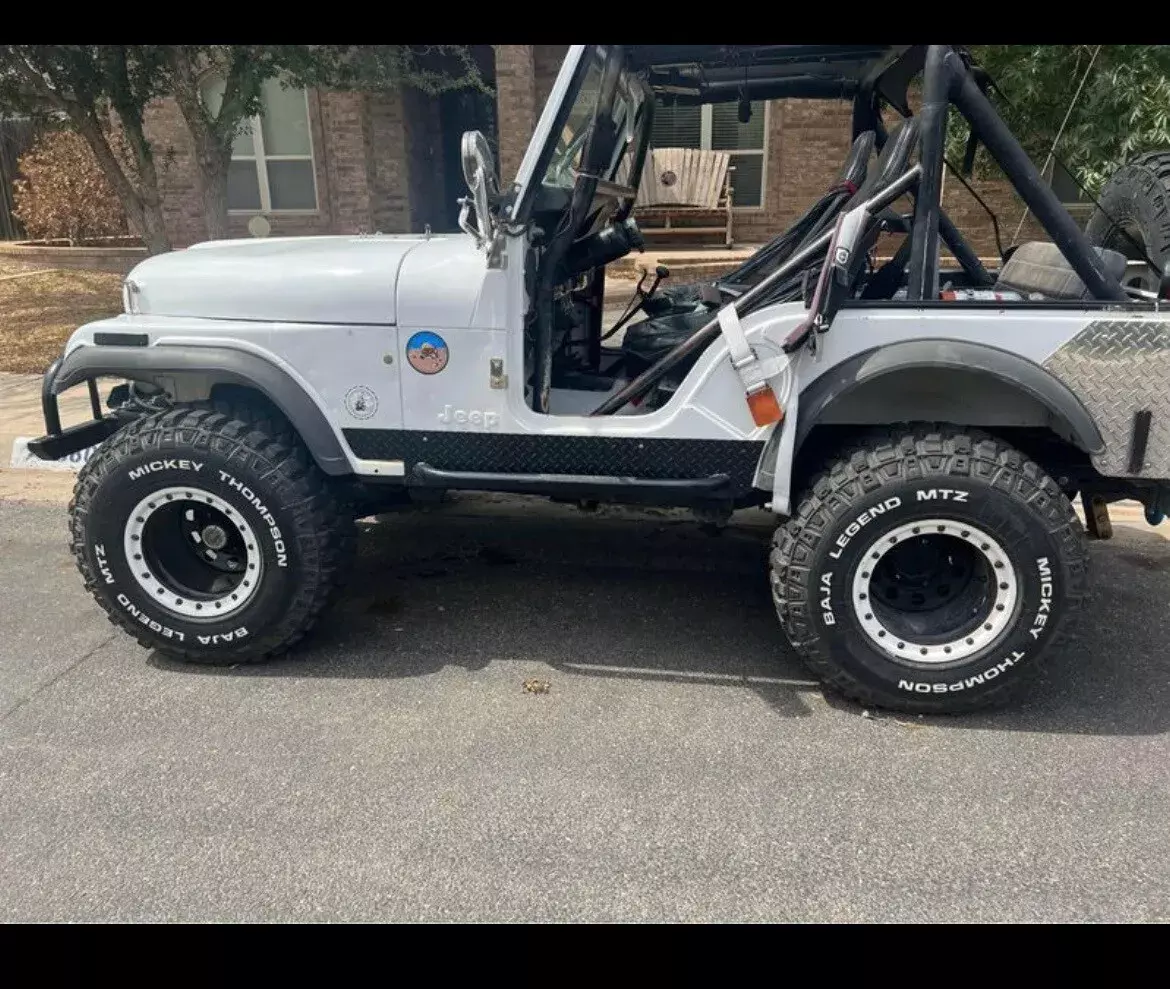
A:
(115, 259)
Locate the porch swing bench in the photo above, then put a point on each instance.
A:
(684, 192)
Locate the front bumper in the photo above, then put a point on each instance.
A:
(58, 442)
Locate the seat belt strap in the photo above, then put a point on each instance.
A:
(753, 372)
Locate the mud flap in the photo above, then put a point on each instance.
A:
(1098, 524)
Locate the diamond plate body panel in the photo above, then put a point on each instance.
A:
(532, 453)
(1118, 368)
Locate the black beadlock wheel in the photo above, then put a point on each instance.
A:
(928, 570)
(209, 534)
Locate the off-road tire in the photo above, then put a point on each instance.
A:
(305, 555)
(907, 473)
(1135, 206)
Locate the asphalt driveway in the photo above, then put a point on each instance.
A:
(681, 766)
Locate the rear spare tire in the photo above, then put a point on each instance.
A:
(1134, 217)
(928, 570)
(209, 536)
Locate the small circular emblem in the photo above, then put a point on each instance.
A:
(361, 402)
(668, 178)
(427, 352)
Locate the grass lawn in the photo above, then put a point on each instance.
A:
(39, 310)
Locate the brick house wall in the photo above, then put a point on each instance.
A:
(363, 147)
(380, 164)
(516, 105)
(336, 124)
(384, 153)
(547, 61)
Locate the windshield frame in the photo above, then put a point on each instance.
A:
(530, 178)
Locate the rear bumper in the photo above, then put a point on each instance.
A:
(58, 442)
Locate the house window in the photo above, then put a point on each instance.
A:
(272, 154)
(716, 127)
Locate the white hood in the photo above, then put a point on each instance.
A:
(279, 279)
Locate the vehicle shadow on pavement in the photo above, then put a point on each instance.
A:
(652, 595)
(646, 594)
(1112, 677)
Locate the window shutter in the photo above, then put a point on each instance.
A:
(1065, 186)
(676, 126)
(728, 134)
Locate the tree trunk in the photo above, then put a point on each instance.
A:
(143, 205)
(140, 200)
(213, 192)
(153, 231)
(213, 149)
(149, 192)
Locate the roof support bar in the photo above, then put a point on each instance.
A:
(743, 305)
(948, 81)
(923, 283)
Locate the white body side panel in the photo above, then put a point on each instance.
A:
(446, 282)
(332, 359)
(328, 361)
(354, 364)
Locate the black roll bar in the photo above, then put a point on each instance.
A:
(948, 82)
(791, 87)
(708, 331)
(964, 253)
(932, 135)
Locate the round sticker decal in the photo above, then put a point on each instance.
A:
(361, 402)
(427, 352)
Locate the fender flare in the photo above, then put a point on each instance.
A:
(224, 365)
(976, 358)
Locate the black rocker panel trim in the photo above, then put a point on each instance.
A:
(532, 453)
(1142, 420)
(636, 490)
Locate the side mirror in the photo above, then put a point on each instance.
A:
(479, 172)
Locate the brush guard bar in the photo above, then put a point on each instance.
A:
(58, 442)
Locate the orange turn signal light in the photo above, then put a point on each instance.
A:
(765, 408)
